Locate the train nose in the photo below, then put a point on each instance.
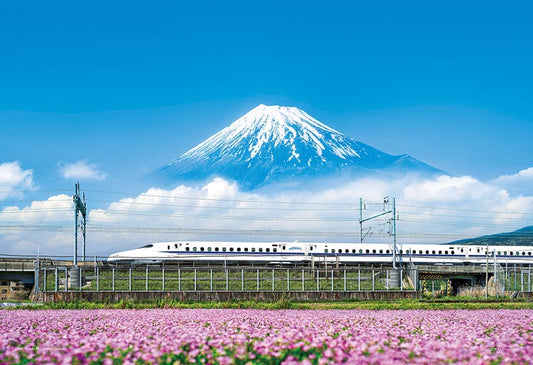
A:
(113, 257)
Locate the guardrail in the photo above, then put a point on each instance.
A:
(167, 278)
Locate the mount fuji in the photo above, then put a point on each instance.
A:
(278, 144)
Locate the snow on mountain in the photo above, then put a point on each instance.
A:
(270, 144)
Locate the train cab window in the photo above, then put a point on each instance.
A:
(274, 249)
(267, 249)
(367, 251)
(246, 249)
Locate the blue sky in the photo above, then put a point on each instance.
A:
(125, 87)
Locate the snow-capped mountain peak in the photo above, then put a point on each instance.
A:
(272, 143)
(277, 126)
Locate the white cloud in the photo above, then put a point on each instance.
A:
(441, 209)
(519, 183)
(81, 170)
(13, 179)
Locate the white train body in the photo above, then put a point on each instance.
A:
(301, 252)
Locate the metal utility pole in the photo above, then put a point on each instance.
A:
(393, 221)
(79, 207)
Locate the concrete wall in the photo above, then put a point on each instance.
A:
(205, 296)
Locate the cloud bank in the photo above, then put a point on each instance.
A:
(82, 170)
(439, 209)
(13, 179)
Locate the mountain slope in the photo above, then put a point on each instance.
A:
(520, 237)
(274, 143)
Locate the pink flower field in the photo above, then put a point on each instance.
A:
(266, 337)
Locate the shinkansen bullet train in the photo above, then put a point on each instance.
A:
(298, 252)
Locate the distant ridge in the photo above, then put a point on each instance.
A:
(273, 144)
(520, 237)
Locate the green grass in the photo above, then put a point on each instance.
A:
(286, 303)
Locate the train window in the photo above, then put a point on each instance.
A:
(462, 250)
(187, 248)
(353, 251)
(414, 252)
(499, 253)
(332, 250)
(253, 249)
(284, 247)
(360, 251)
(367, 251)
(505, 253)
(325, 250)
(260, 249)
(347, 251)
(510, 253)
(267, 249)
(231, 249)
(407, 252)
(224, 249)
(246, 249)
(209, 249)
(446, 252)
(380, 251)
(216, 249)
(401, 252)
(433, 252)
(387, 251)
(373, 251)
(201, 248)
(194, 248)
(478, 250)
(238, 249)
(175, 245)
(168, 247)
(440, 252)
(275, 249)
(427, 252)
(453, 252)
(529, 253)
(311, 248)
